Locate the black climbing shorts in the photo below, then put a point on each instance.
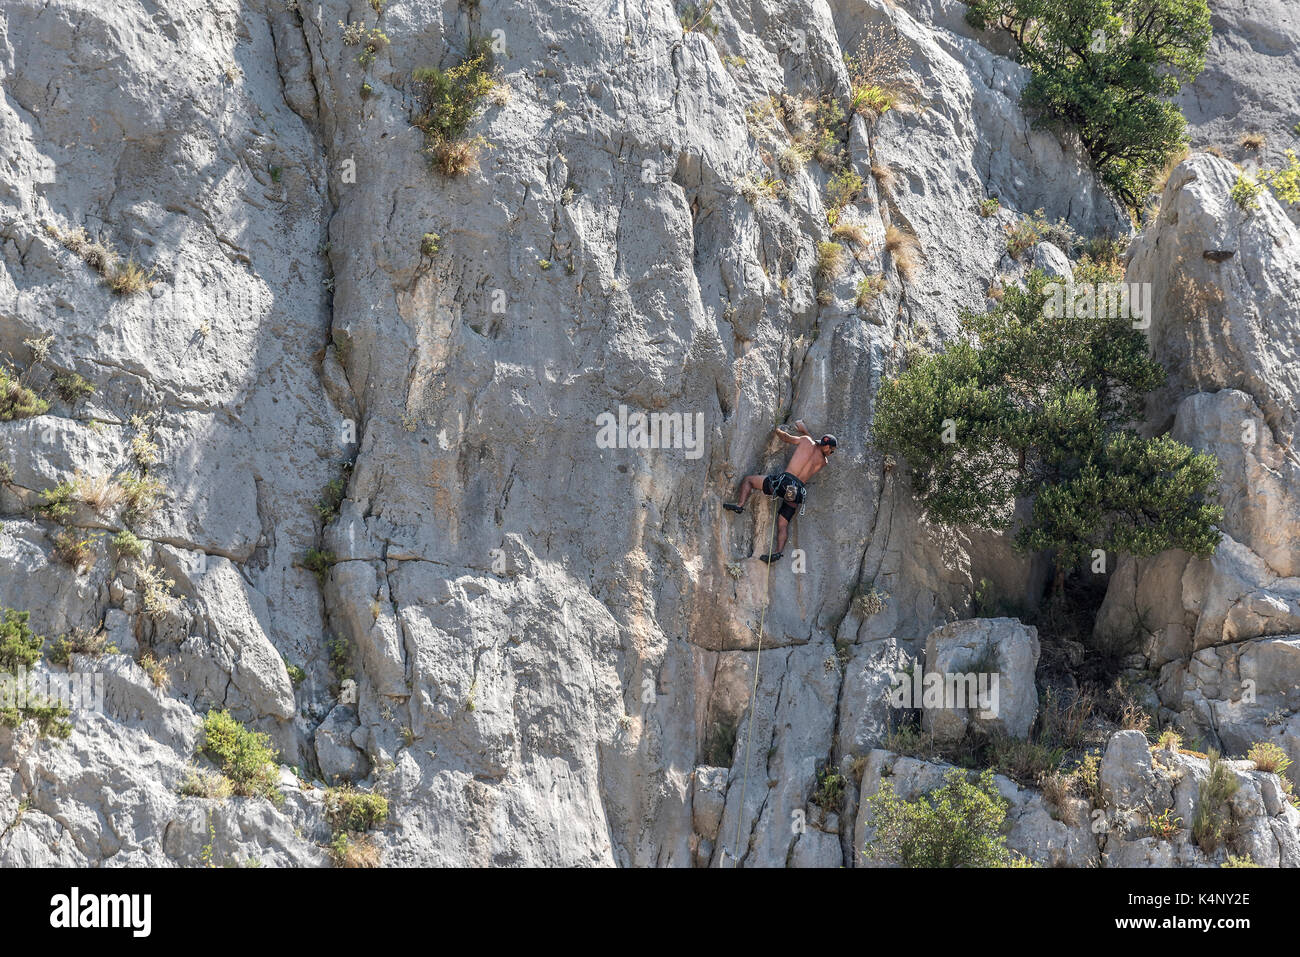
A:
(789, 489)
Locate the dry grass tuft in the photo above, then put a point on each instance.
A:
(905, 249)
(854, 233)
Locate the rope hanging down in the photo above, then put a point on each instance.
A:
(753, 696)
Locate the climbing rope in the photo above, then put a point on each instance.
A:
(753, 696)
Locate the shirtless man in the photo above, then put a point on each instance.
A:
(810, 457)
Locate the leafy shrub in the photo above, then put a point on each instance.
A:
(297, 675)
(144, 451)
(17, 401)
(1284, 182)
(245, 757)
(1213, 824)
(319, 561)
(1107, 69)
(71, 387)
(448, 102)
(128, 544)
(829, 793)
(1034, 229)
(871, 100)
(870, 601)
(868, 289)
(140, 495)
(331, 498)
(19, 648)
(989, 207)
(957, 825)
(58, 503)
(430, 243)
(1245, 192)
(74, 549)
(372, 41)
(80, 641)
(843, 188)
(352, 810)
(694, 17)
(1087, 777)
(1034, 404)
(830, 132)
(51, 718)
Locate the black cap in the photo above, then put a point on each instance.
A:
(828, 439)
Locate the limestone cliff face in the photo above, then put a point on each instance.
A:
(553, 642)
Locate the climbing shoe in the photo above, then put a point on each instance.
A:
(732, 508)
(771, 558)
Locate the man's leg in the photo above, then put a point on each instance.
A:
(782, 530)
(752, 483)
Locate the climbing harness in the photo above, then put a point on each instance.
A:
(753, 696)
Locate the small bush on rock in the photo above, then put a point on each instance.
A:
(17, 401)
(448, 102)
(20, 649)
(245, 757)
(353, 810)
(957, 825)
(1267, 756)
(1213, 824)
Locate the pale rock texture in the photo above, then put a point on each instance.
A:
(987, 646)
(542, 651)
(1225, 324)
(1138, 781)
(1249, 84)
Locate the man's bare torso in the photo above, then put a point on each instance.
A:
(807, 460)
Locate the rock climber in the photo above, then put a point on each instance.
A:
(810, 457)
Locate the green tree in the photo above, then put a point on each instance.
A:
(18, 646)
(957, 825)
(21, 649)
(1036, 403)
(1107, 69)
